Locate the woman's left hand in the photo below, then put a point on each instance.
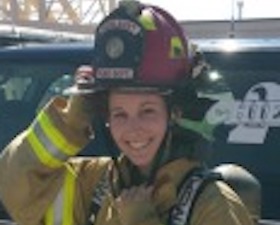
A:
(135, 205)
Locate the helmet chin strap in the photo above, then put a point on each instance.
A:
(162, 156)
(164, 152)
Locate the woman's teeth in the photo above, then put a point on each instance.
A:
(138, 145)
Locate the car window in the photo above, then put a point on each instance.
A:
(22, 86)
(13, 88)
(213, 84)
(56, 88)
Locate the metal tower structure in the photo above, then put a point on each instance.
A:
(76, 16)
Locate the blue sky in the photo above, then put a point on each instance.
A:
(219, 9)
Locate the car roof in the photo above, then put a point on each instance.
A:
(82, 50)
(231, 44)
(47, 51)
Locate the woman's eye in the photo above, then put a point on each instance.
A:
(119, 115)
(149, 111)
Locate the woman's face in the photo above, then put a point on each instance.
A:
(138, 122)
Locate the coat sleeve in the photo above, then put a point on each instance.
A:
(218, 204)
(32, 166)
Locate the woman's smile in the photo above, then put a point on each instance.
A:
(138, 124)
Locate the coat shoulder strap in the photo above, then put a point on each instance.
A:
(189, 189)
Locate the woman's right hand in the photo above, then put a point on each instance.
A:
(78, 113)
(79, 110)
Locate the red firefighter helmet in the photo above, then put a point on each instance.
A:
(139, 45)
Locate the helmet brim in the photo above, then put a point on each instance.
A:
(75, 90)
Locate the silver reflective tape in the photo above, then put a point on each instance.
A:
(48, 145)
(58, 208)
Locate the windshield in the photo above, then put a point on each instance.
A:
(22, 87)
(13, 88)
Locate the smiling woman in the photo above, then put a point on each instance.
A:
(144, 96)
(254, 63)
(153, 96)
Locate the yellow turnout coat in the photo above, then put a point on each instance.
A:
(41, 182)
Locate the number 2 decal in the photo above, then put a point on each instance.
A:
(253, 116)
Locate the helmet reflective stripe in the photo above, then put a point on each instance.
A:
(176, 48)
(48, 143)
(146, 19)
(62, 210)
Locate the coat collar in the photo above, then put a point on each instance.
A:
(166, 181)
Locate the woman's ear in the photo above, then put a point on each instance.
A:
(176, 113)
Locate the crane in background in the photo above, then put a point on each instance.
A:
(52, 20)
(42, 17)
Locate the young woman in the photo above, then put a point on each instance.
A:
(141, 87)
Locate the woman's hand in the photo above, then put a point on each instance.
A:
(78, 112)
(135, 205)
